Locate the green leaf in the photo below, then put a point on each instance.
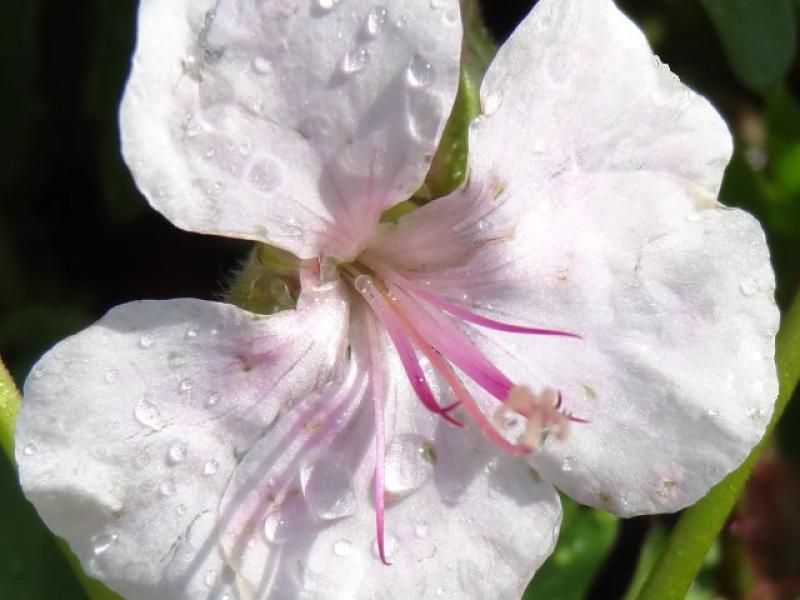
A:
(700, 524)
(9, 406)
(586, 537)
(759, 37)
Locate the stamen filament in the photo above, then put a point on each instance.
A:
(463, 313)
(378, 394)
(405, 350)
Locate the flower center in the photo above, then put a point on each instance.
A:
(420, 323)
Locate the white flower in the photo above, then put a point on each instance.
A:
(191, 449)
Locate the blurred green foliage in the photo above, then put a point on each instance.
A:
(76, 238)
(584, 541)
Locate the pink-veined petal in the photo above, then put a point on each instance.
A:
(449, 501)
(129, 430)
(672, 295)
(576, 87)
(292, 122)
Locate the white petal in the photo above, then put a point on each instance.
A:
(673, 296)
(576, 87)
(456, 512)
(129, 430)
(294, 123)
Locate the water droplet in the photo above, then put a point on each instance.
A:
(145, 340)
(181, 509)
(192, 332)
(568, 464)
(420, 72)
(111, 376)
(406, 466)
(211, 577)
(328, 489)
(363, 284)
(424, 115)
(712, 412)
(437, 4)
(210, 153)
(176, 453)
(265, 175)
(491, 103)
(355, 61)
(376, 19)
(261, 65)
(422, 530)
(29, 449)
(213, 400)
(185, 386)
(101, 543)
(342, 548)
(327, 5)
(314, 127)
(166, 489)
(148, 414)
(210, 467)
(275, 529)
(748, 286)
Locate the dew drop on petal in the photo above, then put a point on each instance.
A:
(328, 489)
(145, 340)
(491, 103)
(192, 332)
(176, 453)
(210, 467)
(111, 376)
(101, 543)
(29, 449)
(148, 414)
(342, 547)
(185, 386)
(212, 400)
(407, 464)
(420, 72)
(355, 61)
(210, 577)
(568, 464)
(261, 65)
(327, 4)
(376, 19)
(276, 530)
(314, 127)
(422, 530)
(265, 176)
(166, 489)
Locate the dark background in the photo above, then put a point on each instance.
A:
(76, 238)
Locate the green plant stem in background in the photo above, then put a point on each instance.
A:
(9, 405)
(700, 524)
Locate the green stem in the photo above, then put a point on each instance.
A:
(9, 406)
(700, 524)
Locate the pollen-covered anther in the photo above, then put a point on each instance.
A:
(542, 412)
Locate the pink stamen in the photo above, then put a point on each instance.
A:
(467, 315)
(453, 344)
(461, 393)
(405, 351)
(380, 436)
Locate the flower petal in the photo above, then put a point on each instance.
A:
(455, 511)
(672, 295)
(576, 87)
(129, 430)
(294, 123)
